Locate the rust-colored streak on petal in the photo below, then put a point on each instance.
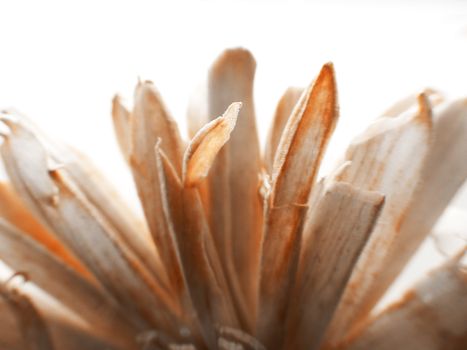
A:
(304, 140)
(236, 222)
(14, 210)
(431, 316)
(297, 160)
(279, 262)
(121, 118)
(340, 226)
(388, 158)
(152, 122)
(204, 147)
(35, 334)
(201, 266)
(283, 111)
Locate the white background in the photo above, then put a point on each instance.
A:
(62, 61)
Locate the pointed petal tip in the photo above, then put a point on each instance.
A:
(425, 112)
(327, 74)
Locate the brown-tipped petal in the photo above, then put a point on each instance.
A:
(432, 316)
(201, 267)
(235, 176)
(121, 117)
(340, 226)
(283, 111)
(70, 289)
(297, 160)
(82, 228)
(204, 147)
(304, 140)
(34, 332)
(387, 158)
(14, 211)
(151, 122)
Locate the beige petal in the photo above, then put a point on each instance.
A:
(340, 226)
(202, 270)
(297, 160)
(304, 140)
(283, 111)
(432, 316)
(121, 117)
(387, 158)
(151, 121)
(236, 222)
(204, 147)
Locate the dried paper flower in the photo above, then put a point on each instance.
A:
(238, 251)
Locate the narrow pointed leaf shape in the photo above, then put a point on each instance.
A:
(297, 160)
(236, 222)
(201, 266)
(387, 158)
(13, 210)
(283, 111)
(340, 227)
(304, 140)
(51, 275)
(35, 334)
(78, 224)
(204, 147)
(151, 121)
(121, 118)
(431, 316)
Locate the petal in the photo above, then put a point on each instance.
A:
(387, 158)
(296, 164)
(432, 316)
(283, 111)
(236, 222)
(340, 226)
